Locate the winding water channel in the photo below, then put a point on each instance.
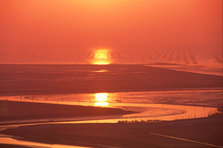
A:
(146, 111)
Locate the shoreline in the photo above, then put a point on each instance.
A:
(95, 132)
(16, 110)
(30, 114)
(89, 131)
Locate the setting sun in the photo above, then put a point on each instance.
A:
(101, 57)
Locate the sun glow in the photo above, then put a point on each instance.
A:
(101, 57)
(101, 3)
(101, 99)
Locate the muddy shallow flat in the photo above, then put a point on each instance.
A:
(14, 110)
(192, 133)
(63, 79)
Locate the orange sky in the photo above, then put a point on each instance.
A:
(67, 31)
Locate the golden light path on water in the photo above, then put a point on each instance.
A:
(145, 111)
(101, 99)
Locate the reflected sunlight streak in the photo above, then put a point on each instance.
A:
(101, 99)
(102, 104)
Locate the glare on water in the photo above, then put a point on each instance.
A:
(148, 105)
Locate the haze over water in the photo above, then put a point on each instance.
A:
(131, 31)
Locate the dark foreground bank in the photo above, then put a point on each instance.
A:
(12, 146)
(193, 133)
(13, 110)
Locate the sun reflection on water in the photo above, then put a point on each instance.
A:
(101, 99)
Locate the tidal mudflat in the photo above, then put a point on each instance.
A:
(135, 111)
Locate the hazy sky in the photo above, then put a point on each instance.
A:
(68, 31)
